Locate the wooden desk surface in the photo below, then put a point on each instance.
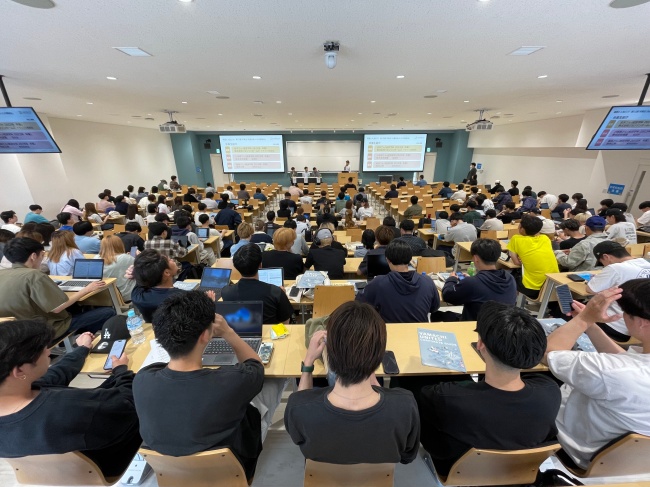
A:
(579, 288)
(110, 281)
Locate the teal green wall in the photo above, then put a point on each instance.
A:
(452, 158)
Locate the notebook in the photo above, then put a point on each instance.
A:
(272, 275)
(85, 271)
(203, 233)
(245, 318)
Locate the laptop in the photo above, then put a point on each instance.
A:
(181, 239)
(85, 271)
(270, 231)
(377, 265)
(203, 233)
(272, 275)
(245, 318)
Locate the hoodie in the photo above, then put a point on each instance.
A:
(472, 292)
(402, 297)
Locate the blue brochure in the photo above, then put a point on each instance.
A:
(440, 349)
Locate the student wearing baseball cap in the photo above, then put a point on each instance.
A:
(581, 256)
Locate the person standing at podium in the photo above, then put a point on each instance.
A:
(347, 166)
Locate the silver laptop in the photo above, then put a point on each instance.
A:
(245, 318)
(85, 272)
(272, 275)
(203, 233)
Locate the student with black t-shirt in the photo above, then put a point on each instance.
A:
(154, 276)
(282, 256)
(356, 420)
(204, 409)
(505, 411)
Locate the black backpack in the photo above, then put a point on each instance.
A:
(191, 271)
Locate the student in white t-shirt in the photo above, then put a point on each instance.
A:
(491, 221)
(620, 267)
(605, 393)
(620, 230)
(442, 223)
(644, 219)
(545, 198)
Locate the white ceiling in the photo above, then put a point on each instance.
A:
(63, 56)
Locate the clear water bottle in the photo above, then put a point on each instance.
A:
(134, 324)
(471, 270)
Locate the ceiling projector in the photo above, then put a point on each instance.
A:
(331, 49)
(480, 124)
(172, 127)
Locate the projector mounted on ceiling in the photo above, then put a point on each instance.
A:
(172, 127)
(480, 124)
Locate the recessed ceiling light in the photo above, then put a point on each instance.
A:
(372, 101)
(79, 115)
(400, 76)
(558, 101)
(542, 76)
(89, 103)
(465, 101)
(220, 114)
(428, 113)
(485, 1)
(149, 114)
(184, 102)
(290, 113)
(257, 77)
(31, 98)
(133, 51)
(185, 1)
(526, 50)
(278, 101)
(557, 113)
(408, 120)
(360, 113)
(112, 78)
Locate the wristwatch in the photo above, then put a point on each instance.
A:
(304, 368)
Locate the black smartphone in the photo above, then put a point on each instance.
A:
(389, 363)
(360, 285)
(564, 297)
(116, 350)
(294, 291)
(575, 278)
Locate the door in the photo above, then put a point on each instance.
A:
(220, 179)
(640, 189)
(429, 167)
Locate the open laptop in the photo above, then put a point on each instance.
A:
(245, 318)
(203, 233)
(212, 279)
(272, 275)
(85, 271)
(181, 239)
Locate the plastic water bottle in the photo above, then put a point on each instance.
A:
(134, 324)
(471, 270)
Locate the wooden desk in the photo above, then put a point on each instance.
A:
(578, 289)
(351, 266)
(192, 255)
(106, 296)
(642, 237)
(463, 254)
(213, 243)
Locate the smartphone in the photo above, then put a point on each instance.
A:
(564, 297)
(117, 350)
(294, 291)
(266, 350)
(389, 363)
(134, 251)
(360, 285)
(575, 278)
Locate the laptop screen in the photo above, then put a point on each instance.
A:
(203, 232)
(272, 275)
(270, 231)
(88, 269)
(181, 239)
(244, 317)
(215, 278)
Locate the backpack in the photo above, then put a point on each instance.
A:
(191, 271)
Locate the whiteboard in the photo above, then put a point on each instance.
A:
(326, 155)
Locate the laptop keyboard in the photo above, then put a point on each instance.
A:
(216, 347)
(76, 283)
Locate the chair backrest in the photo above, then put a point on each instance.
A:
(214, 468)
(512, 232)
(72, 468)
(328, 298)
(318, 474)
(431, 264)
(372, 223)
(498, 467)
(117, 228)
(354, 234)
(635, 250)
(492, 234)
(646, 250)
(403, 205)
(227, 264)
(546, 213)
(628, 456)
(221, 227)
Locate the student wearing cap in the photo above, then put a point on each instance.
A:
(323, 257)
(619, 267)
(581, 256)
(497, 188)
(620, 230)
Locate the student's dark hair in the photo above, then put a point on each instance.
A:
(455, 216)
(472, 204)
(82, 228)
(300, 218)
(162, 218)
(407, 225)
(514, 182)
(242, 186)
(414, 200)
(119, 199)
(350, 179)
(399, 252)
(151, 208)
(368, 238)
(151, 197)
(108, 192)
(210, 194)
(73, 203)
(512, 336)
(35, 207)
(384, 234)
(141, 189)
(154, 189)
(620, 206)
(157, 228)
(6, 235)
(446, 184)
(46, 230)
(528, 187)
(7, 215)
(644, 204)
(131, 212)
(284, 205)
(341, 196)
(270, 215)
(63, 218)
(510, 205)
(607, 202)
(393, 187)
(526, 192)
(563, 197)
(188, 209)
(290, 224)
(443, 215)
(455, 208)
(401, 178)
(18, 250)
(22, 342)
(247, 259)
(323, 193)
(461, 186)
(531, 225)
(129, 187)
(132, 227)
(162, 199)
(201, 206)
(634, 300)
(356, 342)
(204, 218)
(570, 224)
(180, 320)
(182, 221)
(258, 190)
(577, 196)
(388, 221)
(101, 196)
(541, 193)
(491, 213)
(488, 250)
(618, 215)
(581, 204)
(149, 267)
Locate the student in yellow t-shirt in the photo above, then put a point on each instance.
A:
(534, 253)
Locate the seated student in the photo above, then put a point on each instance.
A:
(242, 194)
(532, 193)
(209, 201)
(270, 221)
(132, 215)
(302, 226)
(131, 236)
(383, 235)
(28, 293)
(489, 283)
(459, 231)
(72, 207)
(620, 230)
(227, 216)
(547, 201)
(146, 200)
(534, 253)
(282, 256)
(183, 227)
(84, 238)
(571, 233)
(417, 245)
(324, 257)
(401, 296)
(121, 206)
(245, 231)
(154, 278)
(339, 203)
(514, 190)
(368, 243)
(623, 207)
(190, 196)
(508, 214)
(326, 216)
(528, 203)
(5, 236)
(104, 205)
(581, 206)
(356, 420)
(442, 224)
(293, 191)
(491, 221)
(34, 215)
(471, 213)
(563, 204)
(284, 211)
(619, 267)
(413, 211)
(9, 220)
(217, 400)
(473, 193)
(445, 191)
(350, 184)
(323, 198)
(604, 393)
(277, 307)
(160, 240)
(41, 415)
(506, 410)
(259, 195)
(306, 199)
(581, 256)
(605, 205)
(62, 254)
(392, 193)
(365, 210)
(460, 194)
(389, 221)
(644, 219)
(497, 187)
(347, 208)
(421, 182)
(260, 235)
(401, 182)
(152, 211)
(162, 204)
(502, 199)
(117, 262)
(66, 221)
(299, 245)
(202, 210)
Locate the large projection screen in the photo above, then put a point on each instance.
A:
(394, 152)
(252, 153)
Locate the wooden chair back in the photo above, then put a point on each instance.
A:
(403, 205)
(372, 223)
(226, 263)
(635, 250)
(108, 233)
(318, 474)
(512, 232)
(546, 213)
(354, 234)
(491, 234)
(214, 468)
(343, 239)
(72, 468)
(307, 207)
(498, 467)
(516, 199)
(646, 250)
(221, 228)
(117, 228)
(431, 264)
(627, 456)
(328, 298)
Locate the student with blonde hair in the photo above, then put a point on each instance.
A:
(281, 256)
(116, 263)
(63, 253)
(245, 231)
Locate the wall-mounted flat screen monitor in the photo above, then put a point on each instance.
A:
(22, 132)
(252, 153)
(394, 152)
(624, 128)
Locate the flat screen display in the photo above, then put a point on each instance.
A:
(22, 132)
(624, 128)
(252, 153)
(394, 152)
